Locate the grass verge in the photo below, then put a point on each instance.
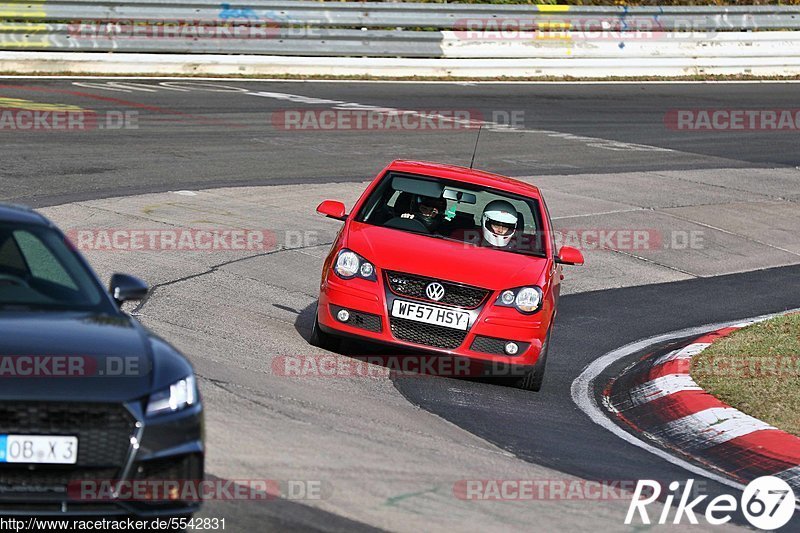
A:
(757, 370)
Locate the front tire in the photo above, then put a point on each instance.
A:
(532, 381)
(323, 340)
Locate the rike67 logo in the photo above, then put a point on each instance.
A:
(768, 503)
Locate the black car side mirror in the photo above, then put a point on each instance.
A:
(125, 288)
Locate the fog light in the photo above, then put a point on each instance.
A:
(343, 315)
(512, 348)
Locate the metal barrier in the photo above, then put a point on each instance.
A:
(649, 35)
(412, 15)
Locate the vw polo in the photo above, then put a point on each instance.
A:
(446, 259)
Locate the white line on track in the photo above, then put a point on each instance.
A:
(582, 392)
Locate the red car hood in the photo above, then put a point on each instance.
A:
(392, 249)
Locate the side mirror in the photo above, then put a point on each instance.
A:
(569, 256)
(125, 288)
(332, 209)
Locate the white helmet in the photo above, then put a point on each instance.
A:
(499, 222)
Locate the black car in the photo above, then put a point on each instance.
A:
(98, 416)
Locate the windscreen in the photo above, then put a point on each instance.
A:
(456, 211)
(39, 271)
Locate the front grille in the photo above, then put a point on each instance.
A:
(58, 507)
(104, 430)
(42, 480)
(427, 334)
(495, 346)
(454, 294)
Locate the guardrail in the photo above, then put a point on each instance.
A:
(639, 35)
(411, 15)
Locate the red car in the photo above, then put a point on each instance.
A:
(447, 259)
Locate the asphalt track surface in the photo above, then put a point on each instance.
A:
(201, 139)
(191, 137)
(546, 429)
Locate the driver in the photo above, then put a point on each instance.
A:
(428, 210)
(499, 223)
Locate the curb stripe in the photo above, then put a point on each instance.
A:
(672, 407)
(791, 476)
(675, 362)
(685, 353)
(603, 412)
(660, 387)
(657, 397)
(771, 451)
(775, 444)
(711, 427)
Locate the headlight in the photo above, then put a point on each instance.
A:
(526, 300)
(349, 264)
(507, 297)
(177, 396)
(366, 270)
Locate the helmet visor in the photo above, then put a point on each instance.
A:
(501, 229)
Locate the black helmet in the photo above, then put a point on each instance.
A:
(429, 210)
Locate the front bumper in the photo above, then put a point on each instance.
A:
(159, 449)
(490, 326)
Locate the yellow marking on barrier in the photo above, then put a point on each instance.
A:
(553, 37)
(554, 26)
(547, 8)
(23, 27)
(15, 10)
(43, 42)
(18, 103)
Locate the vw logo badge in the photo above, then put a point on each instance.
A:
(435, 291)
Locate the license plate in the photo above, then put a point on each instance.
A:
(42, 449)
(440, 316)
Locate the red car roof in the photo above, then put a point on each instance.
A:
(466, 175)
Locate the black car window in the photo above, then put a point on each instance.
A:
(40, 271)
(41, 261)
(10, 256)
